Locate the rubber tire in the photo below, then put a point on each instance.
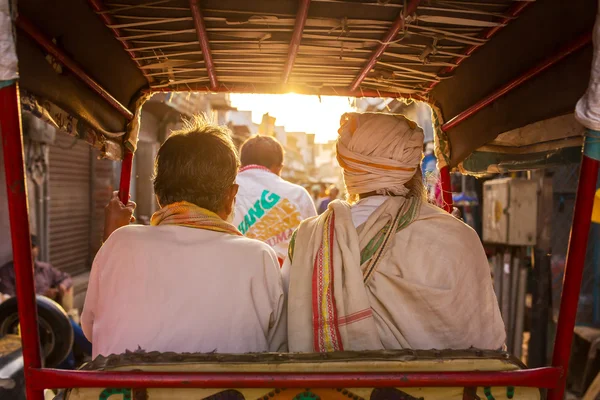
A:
(51, 315)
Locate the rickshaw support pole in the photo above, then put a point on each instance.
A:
(446, 186)
(301, 18)
(125, 181)
(204, 45)
(16, 191)
(580, 230)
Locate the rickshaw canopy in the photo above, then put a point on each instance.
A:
(410, 49)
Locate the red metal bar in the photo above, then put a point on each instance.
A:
(573, 275)
(26, 26)
(516, 9)
(204, 45)
(58, 379)
(389, 37)
(577, 44)
(125, 182)
(16, 191)
(296, 38)
(100, 9)
(277, 89)
(446, 182)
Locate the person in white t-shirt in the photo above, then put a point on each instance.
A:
(268, 208)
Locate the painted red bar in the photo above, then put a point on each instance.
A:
(204, 45)
(277, 89)
(446, 182)
(53, 378)
(99, 8)
(26, 26)
(16, 191)
(536, 70)
(516, 9)
(296, 38)
(398, 25)
(125, 182)
(573, 275)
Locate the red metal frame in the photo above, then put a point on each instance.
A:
(398, 25)
(513, 12)
(52, 378)
(580, 230)
(26, 26)
(38, 379)
(446, 183)
(204, 45)
(16, 191)
(100, 9)
(125, 182)
(296, 39)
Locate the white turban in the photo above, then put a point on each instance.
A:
(378, 152)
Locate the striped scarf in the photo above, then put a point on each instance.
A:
(190, 215)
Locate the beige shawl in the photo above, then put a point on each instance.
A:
(348, 293)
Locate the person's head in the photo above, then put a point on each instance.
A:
(316, 191)
(198, 164)
(333, 192)
(261, 150)
(380, 154)
(35, 247)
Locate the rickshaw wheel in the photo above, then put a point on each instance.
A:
(56, 332)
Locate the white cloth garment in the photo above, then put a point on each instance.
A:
(269, 209)
(173, 288)
(8, 52)
(432, 289)
(587, 110)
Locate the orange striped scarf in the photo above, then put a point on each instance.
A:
(190, 215)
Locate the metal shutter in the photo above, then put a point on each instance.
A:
(70, 216)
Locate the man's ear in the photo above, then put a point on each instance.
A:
(276, 169)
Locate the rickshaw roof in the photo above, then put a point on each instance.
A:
(134, 47)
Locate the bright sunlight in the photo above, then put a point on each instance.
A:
(298, 113)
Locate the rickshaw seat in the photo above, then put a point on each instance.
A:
(342, 362)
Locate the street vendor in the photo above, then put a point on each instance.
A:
(54, 284)
(49, 281)
(190, 282)
(269, 208)
(387, 270)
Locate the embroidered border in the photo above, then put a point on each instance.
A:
(326, 333)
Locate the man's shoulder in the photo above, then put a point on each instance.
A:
(454, 231)
(248, 244)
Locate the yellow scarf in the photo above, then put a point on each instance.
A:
(190, 215)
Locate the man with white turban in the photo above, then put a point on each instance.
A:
(387, 270)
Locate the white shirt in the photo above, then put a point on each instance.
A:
(179, 289)
(270, 209)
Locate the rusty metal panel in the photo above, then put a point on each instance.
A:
(69, 209)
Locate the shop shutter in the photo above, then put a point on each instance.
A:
(70, 214)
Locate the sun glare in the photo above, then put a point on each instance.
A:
(297, 113)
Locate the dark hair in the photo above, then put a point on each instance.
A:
(261, 150)
(196, 164)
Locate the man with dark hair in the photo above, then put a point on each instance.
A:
(190, 282)
(269, 208)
